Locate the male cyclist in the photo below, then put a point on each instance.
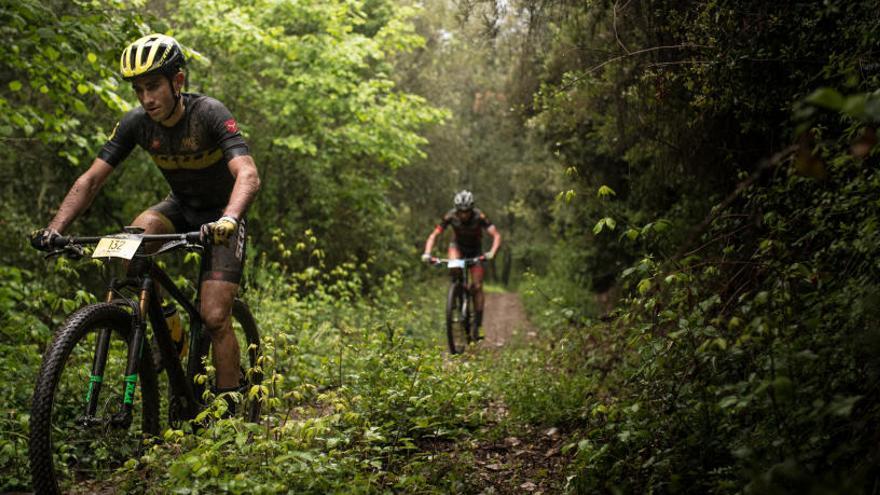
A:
(195, 142)
(467, 224)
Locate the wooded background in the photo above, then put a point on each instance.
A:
(702, 175)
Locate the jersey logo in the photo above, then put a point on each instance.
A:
(231, 125)
(156, 144)
(189, 143)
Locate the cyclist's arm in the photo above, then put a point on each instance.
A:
(496, 239)
(429, 244)
(81, 194)
(247, 183)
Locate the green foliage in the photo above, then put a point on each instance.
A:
(739, 357)
(309, 83)
(356, 389)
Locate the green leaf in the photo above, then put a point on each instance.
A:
(15, 85)
(605, 191)
(82, 88)
(92, 57)
(644, 286)
(605, 222)
(826, 97)
(842, 406)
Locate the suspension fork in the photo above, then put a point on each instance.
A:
(99, 363)
(135, 354)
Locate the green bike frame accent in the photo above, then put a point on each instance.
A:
(130, 384)
(92, 381)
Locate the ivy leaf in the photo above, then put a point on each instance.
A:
(826, 97)
(842, 406)
(605, 191)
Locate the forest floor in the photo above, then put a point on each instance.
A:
(529, 462)
(500, 457)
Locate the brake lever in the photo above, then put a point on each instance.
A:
(194, 247)
(72, 251)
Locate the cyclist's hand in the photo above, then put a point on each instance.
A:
(488, 256)
(42, 239)
(219, 231)
(426, 258)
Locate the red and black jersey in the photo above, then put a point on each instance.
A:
(193, 155)
(467, 235)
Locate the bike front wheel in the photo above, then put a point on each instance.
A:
(456, 325)
(69, 441)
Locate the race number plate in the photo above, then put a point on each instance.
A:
(117, 247)
(455, 264)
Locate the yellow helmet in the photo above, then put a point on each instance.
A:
(154, 52)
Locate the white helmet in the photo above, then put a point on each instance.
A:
(464, 200)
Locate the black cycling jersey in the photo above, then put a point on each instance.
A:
(466, 235)
(193, 155)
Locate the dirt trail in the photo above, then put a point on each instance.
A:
(531, 462)
(504, 316)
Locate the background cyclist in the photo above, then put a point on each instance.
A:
(468, 224)
(195, 142)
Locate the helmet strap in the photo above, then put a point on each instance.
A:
(178, 97)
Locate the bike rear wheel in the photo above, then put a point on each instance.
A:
(66, 444)
(456, 325)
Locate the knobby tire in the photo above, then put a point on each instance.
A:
(453, 315)
(72, 333)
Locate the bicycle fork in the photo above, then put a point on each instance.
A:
(123, 418)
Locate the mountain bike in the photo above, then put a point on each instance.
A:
(87, 412)
(461, 327)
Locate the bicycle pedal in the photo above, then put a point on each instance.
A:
(88, 421)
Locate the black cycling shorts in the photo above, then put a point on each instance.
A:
(466, 251)
(224, 262)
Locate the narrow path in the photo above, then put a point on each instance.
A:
(529, 463)
(504, 317)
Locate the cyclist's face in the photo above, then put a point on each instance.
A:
(155, 94)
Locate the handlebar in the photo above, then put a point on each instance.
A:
(467, 261)
(71, 246)
(188, 237)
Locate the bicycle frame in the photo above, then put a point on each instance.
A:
(461, 284)
(467, 263)
(145, 277)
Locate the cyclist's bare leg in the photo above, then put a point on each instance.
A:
(477, 291)
(216, 310)
(153, 222)
(477, 286)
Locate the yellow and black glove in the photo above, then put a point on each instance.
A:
(219, 231)
(42, 239)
